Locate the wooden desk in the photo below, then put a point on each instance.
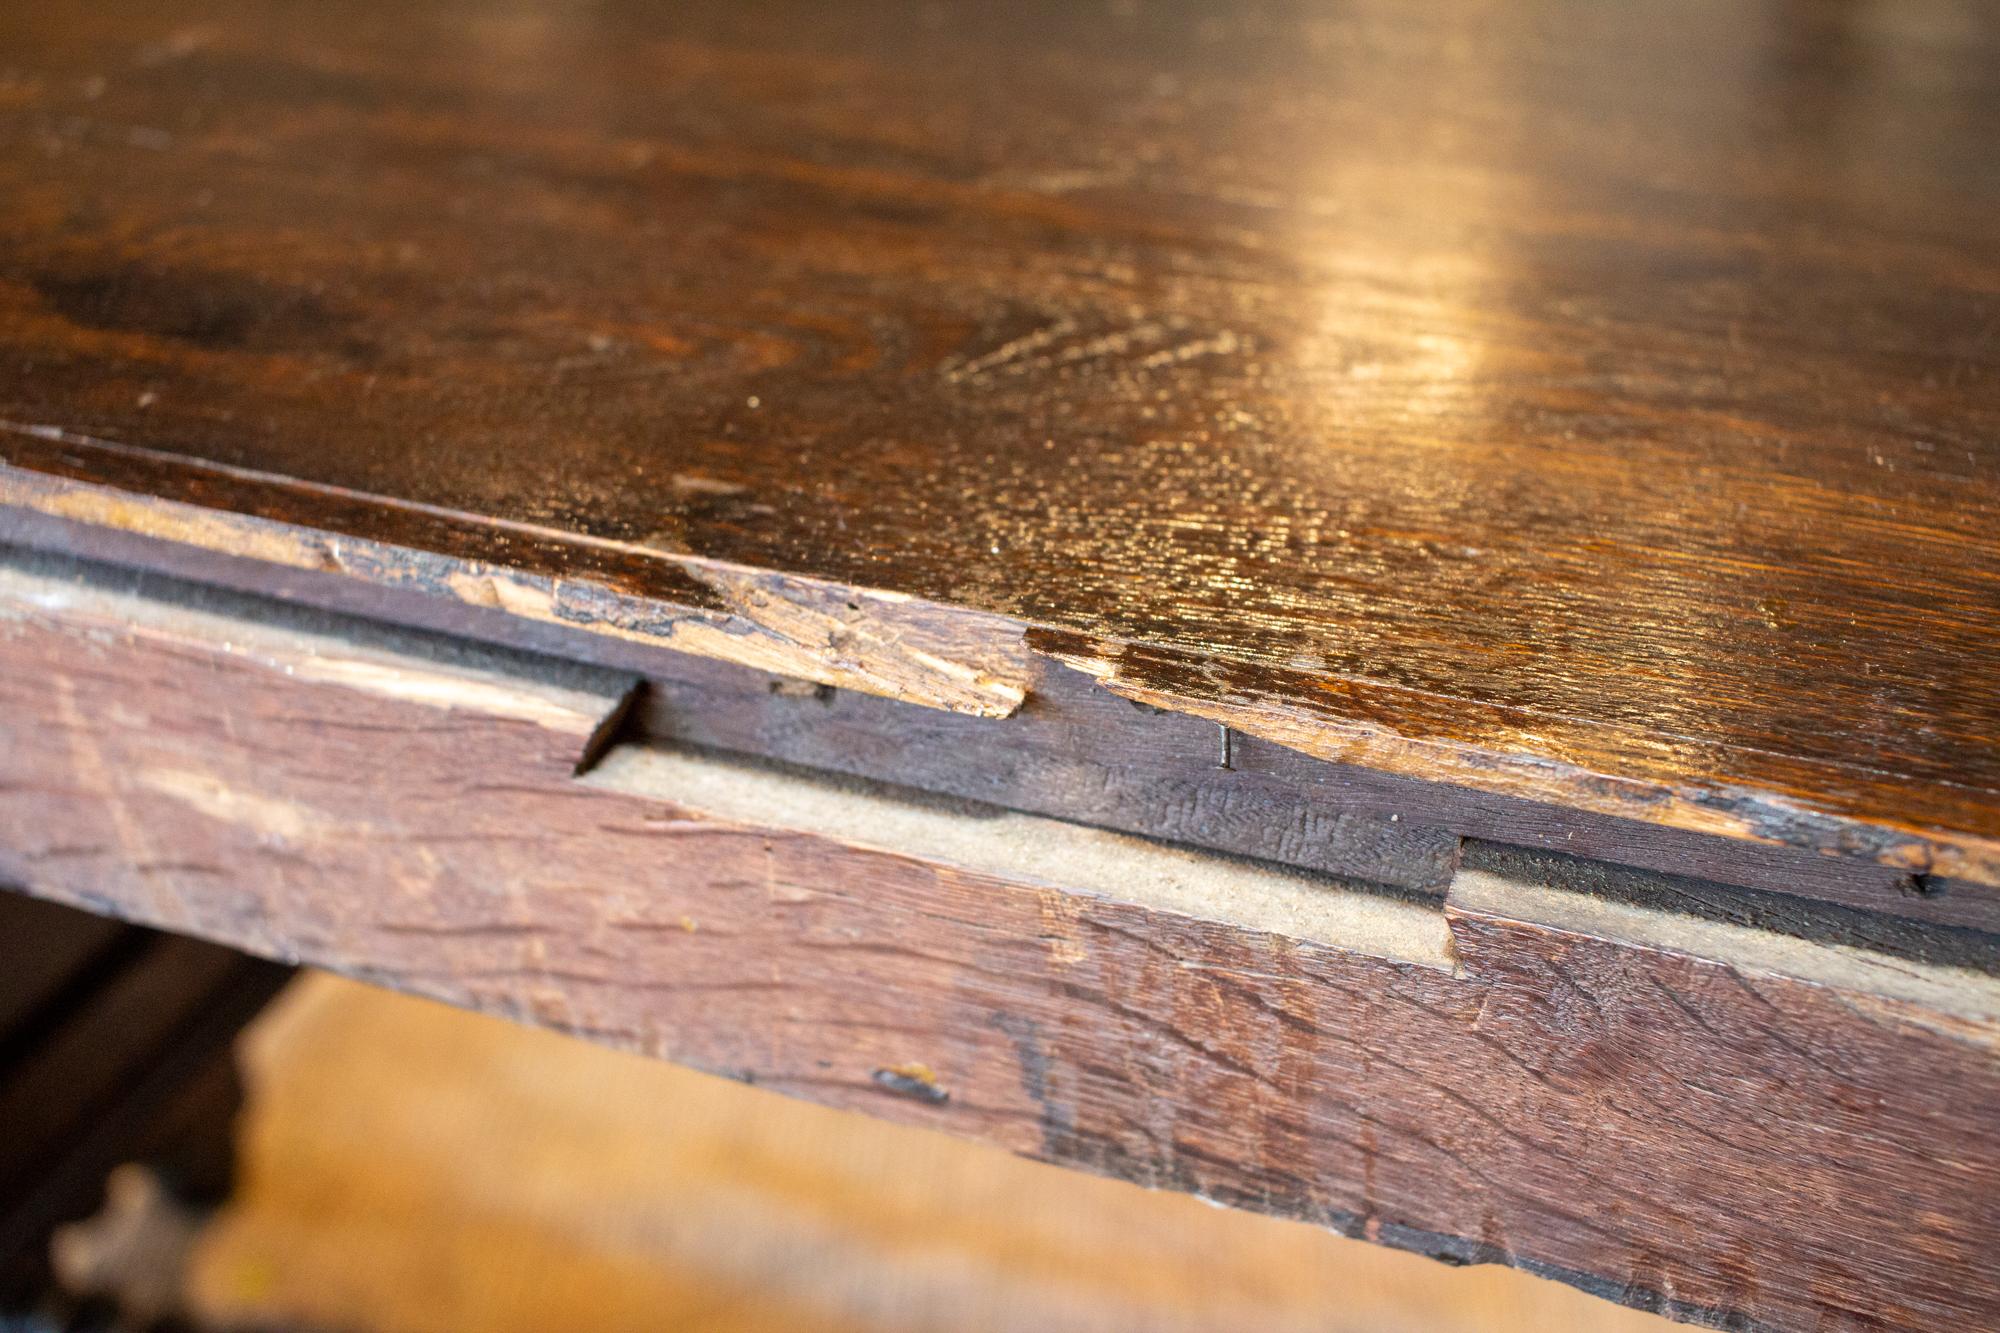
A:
(741, 531)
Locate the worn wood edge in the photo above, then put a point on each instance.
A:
(1742, 814)
(1889, 891)
(1059, 855)
(875, 641)
(573, 702)
(913, 651)
(1461, 1247)
(1065, 858)
(584, 704)
(1033, 849)
(1952, 1001)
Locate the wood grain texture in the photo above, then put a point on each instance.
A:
(1073, 750)
(1082, 753)
(1594, 399)
(411, 1168)
(803, 628)
(1737, 1133)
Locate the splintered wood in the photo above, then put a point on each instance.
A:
(1699, 1118)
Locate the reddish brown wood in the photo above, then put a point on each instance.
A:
(1720, 1141)
(1077, 751)
(1593, 403)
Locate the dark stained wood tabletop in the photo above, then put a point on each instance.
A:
(1595, 400)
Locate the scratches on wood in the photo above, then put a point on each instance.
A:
(1954, 1000)
(909, 650)
(265, 816)
(1718, 1126)
(570, 702)
(853, 638)
(1065, 343)
(1606, 771)
(1592, 431)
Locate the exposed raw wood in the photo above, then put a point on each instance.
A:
(802, 628)
(1737, 1139)
(1596, 402)
(1411, 736)
(1026, 849)
(1081, 753)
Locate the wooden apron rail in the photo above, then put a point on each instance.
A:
(1735, 1125)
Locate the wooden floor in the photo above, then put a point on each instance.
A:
(408, 1168)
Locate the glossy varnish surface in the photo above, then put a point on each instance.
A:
(1606, 390)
